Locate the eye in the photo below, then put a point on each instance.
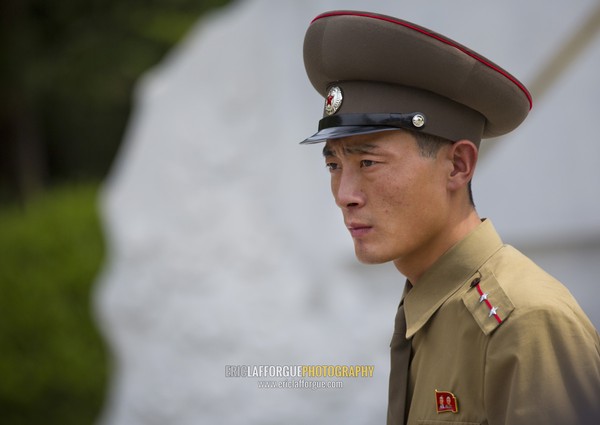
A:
(367, 163)
(332, 166)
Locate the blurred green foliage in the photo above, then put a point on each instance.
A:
(67, 74)
(53, 363)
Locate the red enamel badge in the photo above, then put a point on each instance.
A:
(445, 401)
(333, 100)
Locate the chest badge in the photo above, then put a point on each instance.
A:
(445, 401)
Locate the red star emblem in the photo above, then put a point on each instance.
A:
(333, 100)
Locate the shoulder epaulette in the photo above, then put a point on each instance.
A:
(487, 302)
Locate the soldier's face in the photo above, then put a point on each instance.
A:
(394, 200)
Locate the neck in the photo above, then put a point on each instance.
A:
(414, 266)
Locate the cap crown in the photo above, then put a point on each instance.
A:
(383, 64)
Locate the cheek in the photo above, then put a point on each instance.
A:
(430, 183)
(412, 199)
(398, 193)
(393, 203)
(333, 185)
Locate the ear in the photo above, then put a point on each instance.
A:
(463, 155)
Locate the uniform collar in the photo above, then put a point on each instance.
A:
(448, 274)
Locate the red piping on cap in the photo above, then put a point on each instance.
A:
(437, 37)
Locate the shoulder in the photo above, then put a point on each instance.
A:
(539, 344)
(510, 288)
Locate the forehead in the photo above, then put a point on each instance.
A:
(374, 143)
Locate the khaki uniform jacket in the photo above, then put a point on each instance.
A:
(500, 339)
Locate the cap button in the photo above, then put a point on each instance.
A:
(418, 120)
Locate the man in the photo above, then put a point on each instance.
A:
(405, 110)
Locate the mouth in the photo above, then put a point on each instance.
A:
(357, 229)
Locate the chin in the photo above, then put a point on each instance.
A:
(371, 257)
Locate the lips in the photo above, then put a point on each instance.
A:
(358, 229)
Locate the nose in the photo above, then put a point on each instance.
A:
(347, 191)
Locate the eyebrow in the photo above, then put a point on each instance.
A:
(363, 148)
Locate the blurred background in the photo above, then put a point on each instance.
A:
(67, 77)
(158, 220)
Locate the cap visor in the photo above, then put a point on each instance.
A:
(345, 131)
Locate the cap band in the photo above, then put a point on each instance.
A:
(344, 125)
(374, 120)
(368, 103)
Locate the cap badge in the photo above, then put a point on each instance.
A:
(445, 401)
(333, 100)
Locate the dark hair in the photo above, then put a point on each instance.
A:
(429, 146)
